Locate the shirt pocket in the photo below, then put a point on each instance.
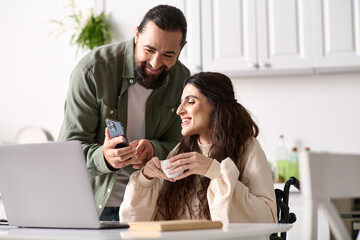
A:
(106, 112)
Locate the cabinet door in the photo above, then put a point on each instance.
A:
(284, 34)
(336, 32)
(190, 55)
(228, 35)
(262, 35)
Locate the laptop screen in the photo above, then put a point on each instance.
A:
(47, 185)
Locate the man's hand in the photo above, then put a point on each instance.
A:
(144, 152)
(118, 157)
(138, 153)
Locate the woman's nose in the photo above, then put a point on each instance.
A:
(179, 110)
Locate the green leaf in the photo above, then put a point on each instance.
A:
(94, 31)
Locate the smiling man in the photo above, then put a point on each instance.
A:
(138, 83)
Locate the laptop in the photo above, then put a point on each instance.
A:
(47, 185)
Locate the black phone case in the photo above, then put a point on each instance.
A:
(116, 129)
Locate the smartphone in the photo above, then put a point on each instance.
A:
(116, 129)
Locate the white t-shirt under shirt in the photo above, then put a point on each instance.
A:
(137, 97)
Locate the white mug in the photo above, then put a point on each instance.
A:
(166, 162)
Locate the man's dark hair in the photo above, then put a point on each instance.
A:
(167, 18)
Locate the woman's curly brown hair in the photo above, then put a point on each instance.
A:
(231, 126)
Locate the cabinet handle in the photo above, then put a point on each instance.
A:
(253, 65)
(264, 64)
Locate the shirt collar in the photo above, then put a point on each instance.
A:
(129, 60)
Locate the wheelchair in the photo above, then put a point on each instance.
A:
(282, 204)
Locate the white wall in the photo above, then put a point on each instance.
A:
(319, 111)
(35, 65)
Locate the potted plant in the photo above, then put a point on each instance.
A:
(88, 31)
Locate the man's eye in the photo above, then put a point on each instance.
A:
(168, 56)
(148, 50)
(191, 102)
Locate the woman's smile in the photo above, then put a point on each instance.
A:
(185, 121)
(194, 111)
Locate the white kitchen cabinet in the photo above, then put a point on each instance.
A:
(262, 35)
(190, 54)
(336, 33)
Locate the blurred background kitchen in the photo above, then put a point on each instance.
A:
(309, 91)
(295, 64)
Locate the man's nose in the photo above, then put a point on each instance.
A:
(156, 61)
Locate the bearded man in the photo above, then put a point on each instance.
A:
(137, 83)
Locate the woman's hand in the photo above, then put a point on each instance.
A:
(194, 162)
(153, 169)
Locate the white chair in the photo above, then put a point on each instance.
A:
(32, 134)
(325, 176)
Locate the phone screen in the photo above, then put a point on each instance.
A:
(116, 129)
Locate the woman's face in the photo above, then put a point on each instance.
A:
(195, 111)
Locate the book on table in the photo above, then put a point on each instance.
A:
(174, 225)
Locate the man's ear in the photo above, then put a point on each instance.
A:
(136, 34)
(183, 46)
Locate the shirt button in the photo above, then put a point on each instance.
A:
(100, 206)
(109, 190)
(111, 111)
(172, 110)
(131, 81)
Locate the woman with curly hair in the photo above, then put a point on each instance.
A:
(226, 175)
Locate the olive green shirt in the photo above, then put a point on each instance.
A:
(98, 90)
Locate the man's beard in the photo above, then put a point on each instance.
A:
(146, 80)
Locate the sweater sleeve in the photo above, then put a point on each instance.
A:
(230, 200)
(140, 198)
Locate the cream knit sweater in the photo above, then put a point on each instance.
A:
(230, 200)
